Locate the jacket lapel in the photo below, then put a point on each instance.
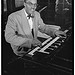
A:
(25, 25)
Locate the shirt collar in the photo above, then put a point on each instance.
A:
(25, 13)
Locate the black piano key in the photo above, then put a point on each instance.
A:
(54, 46)
(60, 41)
(49, 50)
(58, 44)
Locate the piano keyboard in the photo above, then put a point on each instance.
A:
(50, 42)
(36, 49)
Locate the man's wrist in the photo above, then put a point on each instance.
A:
(55, 32)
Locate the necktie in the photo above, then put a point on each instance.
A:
(33, 32)
(30, 16)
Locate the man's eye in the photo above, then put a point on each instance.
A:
(30, 4)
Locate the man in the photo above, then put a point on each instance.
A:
(23, 26)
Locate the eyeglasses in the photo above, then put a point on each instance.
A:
(31, 4)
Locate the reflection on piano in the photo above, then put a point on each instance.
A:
(51, 56)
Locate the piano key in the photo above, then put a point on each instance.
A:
(60, 41)
(45, 52)
(46, 41)
(57, 43)
(50, 48)
(63, 37)
(31, 53)
(54, 46)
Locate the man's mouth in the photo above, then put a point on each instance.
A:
(32, 10)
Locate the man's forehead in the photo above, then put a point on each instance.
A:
(32, 1)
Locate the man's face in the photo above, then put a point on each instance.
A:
(30, 6)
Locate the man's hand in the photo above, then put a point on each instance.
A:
(36, 42)
(60, 33)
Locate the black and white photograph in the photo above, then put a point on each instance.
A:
(37, 37)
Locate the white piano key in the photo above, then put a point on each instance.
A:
(31, 53)
(46, 41)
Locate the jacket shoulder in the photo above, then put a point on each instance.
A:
(14, 14)
(37, 13)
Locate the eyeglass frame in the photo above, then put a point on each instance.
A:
(31, 4)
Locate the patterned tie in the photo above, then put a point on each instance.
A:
(30, 16)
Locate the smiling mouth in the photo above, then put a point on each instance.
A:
(32, 9)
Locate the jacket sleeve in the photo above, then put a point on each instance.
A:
(47, 29)
(10, 34)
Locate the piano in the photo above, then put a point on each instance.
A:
(55, 55)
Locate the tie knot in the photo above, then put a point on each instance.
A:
(30, 16)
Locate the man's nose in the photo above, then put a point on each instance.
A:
(33, 7)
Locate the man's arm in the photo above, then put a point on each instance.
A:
(11, 36)
(47, 29)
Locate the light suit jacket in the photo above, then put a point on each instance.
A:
(18, 32)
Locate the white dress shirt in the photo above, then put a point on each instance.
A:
(29, 20)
